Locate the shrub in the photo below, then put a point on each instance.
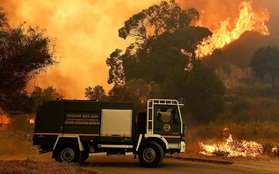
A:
(241, 105)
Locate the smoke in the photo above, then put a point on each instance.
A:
(85, 33)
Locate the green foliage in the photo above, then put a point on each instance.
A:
(267, 148)
(158, 19)
(258, 91)
(163, 55)
(250, 130)
(240, 105)
(165, 18)
(97, 93)
(3, 19)
(21, 123)
(204, 93)
(135, 90)
(40, 94)
(265, 62)
(116, 74)
(233, 76)
(24, 52)
(48, 93)
(166, 58)
(22, 103)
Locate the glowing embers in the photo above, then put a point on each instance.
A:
(231, 148)
(248, 20)
(4, 119)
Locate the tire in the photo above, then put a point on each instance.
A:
(151, 154)
(84, 156)
(68, 152)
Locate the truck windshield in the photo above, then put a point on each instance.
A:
(167, 115)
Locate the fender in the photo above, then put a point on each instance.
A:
(66, 136)
(146, 136)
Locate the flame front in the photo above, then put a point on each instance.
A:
(4, 119)
(232, 148)
(248, 20)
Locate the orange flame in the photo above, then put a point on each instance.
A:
(248, 20)
(232, 148)
(4, 119)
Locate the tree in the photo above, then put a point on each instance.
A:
(137, 91)
(24, 52)
(265, 62)
(48, 93)
(116, 73)
(97, 93)
(158, 19)
(145, 27)
(166, 57)
(163, 55)
(38, 94)
(3, 19)
(204, 92)
(22, 103)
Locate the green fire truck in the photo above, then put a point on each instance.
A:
(73, 130)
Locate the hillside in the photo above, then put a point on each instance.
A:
(240, 52)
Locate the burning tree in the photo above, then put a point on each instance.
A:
(24, 52)
(164, 47)
(248, 20)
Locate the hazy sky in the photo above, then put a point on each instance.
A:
(86, 32)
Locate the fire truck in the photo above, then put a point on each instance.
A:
(73, 130)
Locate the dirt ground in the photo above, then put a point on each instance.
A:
(19, 156)
(43, 163)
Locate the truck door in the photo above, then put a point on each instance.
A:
(167, 122)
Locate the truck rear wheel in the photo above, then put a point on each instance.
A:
(151, 154)
(68, 152)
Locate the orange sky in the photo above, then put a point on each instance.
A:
(86, 32)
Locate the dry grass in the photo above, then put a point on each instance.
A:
(21, 157)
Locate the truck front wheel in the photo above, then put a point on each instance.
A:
(68, 152)
(151, 154)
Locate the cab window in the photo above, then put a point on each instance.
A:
(167, 115)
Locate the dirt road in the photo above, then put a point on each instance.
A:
(126, 164)
(120, 164)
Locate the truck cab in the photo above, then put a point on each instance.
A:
(76, 129)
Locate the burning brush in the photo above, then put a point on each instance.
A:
(231, 147)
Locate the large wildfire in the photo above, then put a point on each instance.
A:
(87, 32)
(248, 20)
(231, 147)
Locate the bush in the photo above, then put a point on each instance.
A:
(21, 123)
(241, 105)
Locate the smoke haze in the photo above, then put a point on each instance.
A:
(86, 32)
